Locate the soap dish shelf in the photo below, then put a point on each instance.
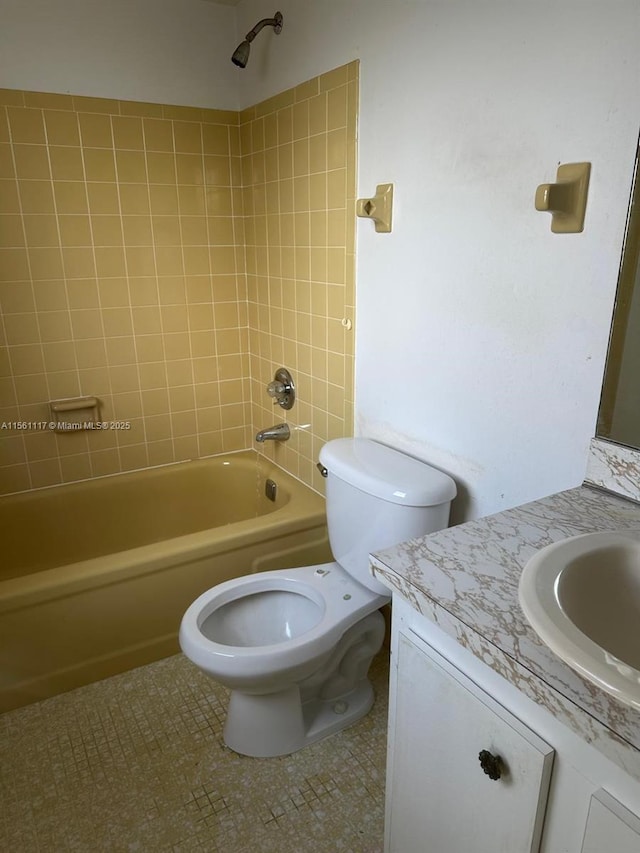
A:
(72, 414)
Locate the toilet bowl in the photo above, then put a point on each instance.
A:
(294, 646)
(274, 627)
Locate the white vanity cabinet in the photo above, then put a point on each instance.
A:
(610, 827)
(466, 775)
(546, 795)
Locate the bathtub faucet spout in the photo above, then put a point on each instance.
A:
(279, 432)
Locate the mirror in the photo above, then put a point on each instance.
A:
(619, 415)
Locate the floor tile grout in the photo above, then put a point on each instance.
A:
(137, 763)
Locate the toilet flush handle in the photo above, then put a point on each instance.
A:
(324, 471)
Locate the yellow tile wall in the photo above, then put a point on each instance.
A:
(121, 276)
(299, 183)
(167, 260)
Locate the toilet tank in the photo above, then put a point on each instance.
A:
(378, 497)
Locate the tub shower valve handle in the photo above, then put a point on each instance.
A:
(277, 390)
(282, 389)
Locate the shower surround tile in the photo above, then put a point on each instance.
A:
(121, 257)
(168, 260)
(299, 184)
(137, 763)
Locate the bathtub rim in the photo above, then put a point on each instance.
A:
(303, 511)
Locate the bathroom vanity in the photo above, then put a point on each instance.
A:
(495, 744)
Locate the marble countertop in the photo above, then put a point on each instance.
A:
(465, 579)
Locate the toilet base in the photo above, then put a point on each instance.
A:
(278, 723)
(265, 725)
(332, 715)
(335, 696)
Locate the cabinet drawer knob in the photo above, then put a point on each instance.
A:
(491, 764)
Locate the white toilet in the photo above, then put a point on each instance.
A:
(295, 645)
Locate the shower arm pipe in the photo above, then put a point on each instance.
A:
(275, 22)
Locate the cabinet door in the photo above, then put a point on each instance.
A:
(441, 799)
(610, 827)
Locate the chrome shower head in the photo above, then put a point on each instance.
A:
(241, 53)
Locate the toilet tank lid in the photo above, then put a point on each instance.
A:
(386, 473)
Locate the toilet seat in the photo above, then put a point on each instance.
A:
(321, 602)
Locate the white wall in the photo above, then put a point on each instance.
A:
(481, 336)
(162, 51)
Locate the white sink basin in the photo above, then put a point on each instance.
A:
(582, 597)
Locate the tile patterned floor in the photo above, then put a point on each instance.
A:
(137, 763)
